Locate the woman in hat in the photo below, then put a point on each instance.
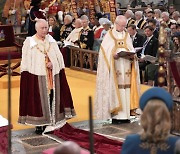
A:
(106, 25)
(156, 104)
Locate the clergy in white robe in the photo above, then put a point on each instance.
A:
(117, 83)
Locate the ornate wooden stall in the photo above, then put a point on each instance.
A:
(84, 60)
(169, 70)
(174, 89)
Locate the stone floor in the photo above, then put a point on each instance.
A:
(26, 141)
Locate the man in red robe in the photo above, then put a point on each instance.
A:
(45, 98)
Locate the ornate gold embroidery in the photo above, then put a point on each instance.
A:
(42, 47)
(120, 43)
(153, 147)
(103, 52)
(128, 73)
(62, 29)
(124, 86)
(118, 73)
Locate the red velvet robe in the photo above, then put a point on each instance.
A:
(35, 108)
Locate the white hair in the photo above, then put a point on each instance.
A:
(140, 13)
(39, 21)
(130, 12)
(84, 17)
(69, 17)
(157, 11)
(120, 18)
(176, 13)
(165, 14)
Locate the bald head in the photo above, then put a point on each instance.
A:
(121, 18)
(68, 147)
(41, 28)
(78, 23)
(120, 22)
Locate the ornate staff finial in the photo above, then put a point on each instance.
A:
(161, 50)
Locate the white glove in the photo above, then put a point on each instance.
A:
(13, 11)
(28, 11)
(60, 15)
(22, 22)
(46, 9)
(42, 10)
(36, 19)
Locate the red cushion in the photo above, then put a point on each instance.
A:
(4, 139)
(13, 54)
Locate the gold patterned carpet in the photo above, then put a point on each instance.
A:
(82, 86)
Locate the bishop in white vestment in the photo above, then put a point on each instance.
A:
(117, 87)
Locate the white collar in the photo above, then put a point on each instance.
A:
(149, 38)
(134, 35)
(34, 43)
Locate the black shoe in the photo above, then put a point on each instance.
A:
(117, 121)
(39, 130)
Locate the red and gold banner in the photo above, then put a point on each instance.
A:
(112, 5)
(109, 8)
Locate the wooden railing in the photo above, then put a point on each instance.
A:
(84, 60)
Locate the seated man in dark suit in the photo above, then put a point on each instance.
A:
(150, 47)
(152, 23)
(86, 38)
(151, 16)
(137, 39)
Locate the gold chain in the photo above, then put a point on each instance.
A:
(44, 52)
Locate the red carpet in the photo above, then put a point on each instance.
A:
(102, 145)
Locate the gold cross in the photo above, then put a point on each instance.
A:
(128, 73)
(118, 73)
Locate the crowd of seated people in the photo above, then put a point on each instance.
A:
(88, 34)
(144, 32)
